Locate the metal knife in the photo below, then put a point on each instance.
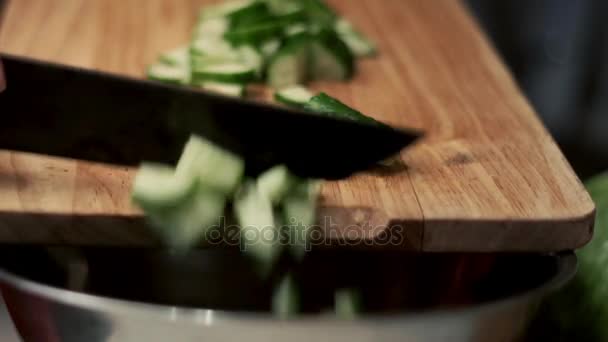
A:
(84, 114)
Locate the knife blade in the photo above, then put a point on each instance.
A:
(71, 112)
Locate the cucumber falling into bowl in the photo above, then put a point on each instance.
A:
(283, 44)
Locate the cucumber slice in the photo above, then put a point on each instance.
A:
(269, 48)
(186, 224)
(254, 34)
(179, 57)
(285, 299)
(347, 303)
(213, 47)
(211, 28)
(359, 45)
(214, 167)
(289, 66)
(169, 73)
(276, 182)
(259, 236)
(225, 73)
(300, 210)
(295, 96)
(251, 57)
(201, 62)
(156, 186)
(327, 105)
(331, 58)
(237, 90)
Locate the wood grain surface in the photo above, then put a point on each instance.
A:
(488, 177)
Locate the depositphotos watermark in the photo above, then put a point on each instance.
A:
(294, 234)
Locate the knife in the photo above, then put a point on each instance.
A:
(84, 114)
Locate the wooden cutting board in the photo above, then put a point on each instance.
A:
(488, 177)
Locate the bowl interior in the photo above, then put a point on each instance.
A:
(224, 279)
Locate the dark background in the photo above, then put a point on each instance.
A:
(558, 52)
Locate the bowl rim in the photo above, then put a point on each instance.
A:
(566, 263)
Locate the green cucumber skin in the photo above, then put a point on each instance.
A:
(327, 105)
(254, 16)
(254, 35)
(257, 8)
(319, 12)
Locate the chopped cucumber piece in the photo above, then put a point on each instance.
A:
(285, 299)
(169, 73)
(276, 182)
(179, 57)
(331, 58)
(295, 96)
(156, 186)
(259, 235)
(229, 89)
(201, 62)
(251, 57)
(269, 48)
(327, 105)
(214, 167)
(184, 225)
(213, 47)
(289, 66)
(359, 45)
(226, 73)
(347, 303)
(300, 210)
(211, 28)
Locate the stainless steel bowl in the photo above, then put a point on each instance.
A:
(143, 295)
